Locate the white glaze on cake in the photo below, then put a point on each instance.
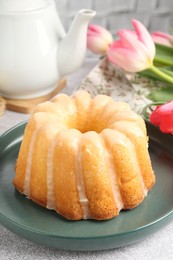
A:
(80, 181)
(112, 176)
(96, 176)
(27, 181)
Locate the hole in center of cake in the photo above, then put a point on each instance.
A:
(90, 124)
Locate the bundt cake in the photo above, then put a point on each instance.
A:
(86, 158)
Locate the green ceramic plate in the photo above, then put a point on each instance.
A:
(39, 225)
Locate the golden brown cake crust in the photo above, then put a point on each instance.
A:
(84, 157)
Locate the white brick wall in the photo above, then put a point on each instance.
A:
(116, 14)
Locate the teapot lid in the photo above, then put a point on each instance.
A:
(23, 5)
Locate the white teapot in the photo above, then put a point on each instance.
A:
(35, 52)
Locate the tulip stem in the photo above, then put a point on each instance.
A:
(161, 74)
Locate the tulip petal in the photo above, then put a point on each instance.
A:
(128, 60)
(98, 39)
(163, 35)
(132, 51)
(145, 37)
(156, 116)
(127, 54)
(163, 116)
(97, 45)
(116, 44)
(130, 40)
(100, 31)
(161, 41)
(167, 108)
(162, 38)
(166, 125)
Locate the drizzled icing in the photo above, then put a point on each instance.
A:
(80, 184)
(27, 180)
(113, 178)
(122, 127)
(117, 122)
(50, 180)
(72, 137)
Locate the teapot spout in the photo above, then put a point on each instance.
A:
(73, 46)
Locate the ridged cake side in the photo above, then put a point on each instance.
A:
(84, 157)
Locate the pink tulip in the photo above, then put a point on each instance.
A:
(134, 51)
(98, 39)
(163, 116)
(162, 38)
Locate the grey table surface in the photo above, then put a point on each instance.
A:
(157, 246)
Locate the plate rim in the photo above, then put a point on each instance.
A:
(7, 219)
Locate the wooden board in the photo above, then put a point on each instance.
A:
(2, 105)
(27, 105)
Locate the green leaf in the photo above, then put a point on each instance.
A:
(164, 94)
(162, 60)
(164, 50)
(164, 55)
(148, 109)
(150, 74)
